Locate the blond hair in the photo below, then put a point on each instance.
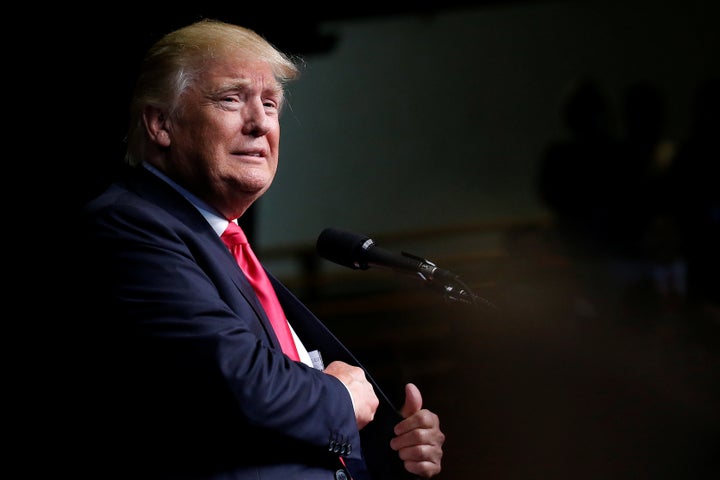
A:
(173, 63)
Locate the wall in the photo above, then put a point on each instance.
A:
(417, 121)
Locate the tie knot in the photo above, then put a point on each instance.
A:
(233, 235)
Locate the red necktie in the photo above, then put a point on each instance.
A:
(235, 239)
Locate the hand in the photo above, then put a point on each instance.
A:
(362, 393)
(418, 439)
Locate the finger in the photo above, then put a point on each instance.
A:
(413, 401)
(424, 469)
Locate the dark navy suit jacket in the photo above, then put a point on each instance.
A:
(187, 380)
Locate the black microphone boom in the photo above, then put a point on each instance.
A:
(360, 252)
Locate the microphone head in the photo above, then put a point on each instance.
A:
(344, 248)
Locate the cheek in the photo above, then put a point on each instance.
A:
(196, 135)
(273, 138)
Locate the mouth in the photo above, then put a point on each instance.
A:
(252, 155)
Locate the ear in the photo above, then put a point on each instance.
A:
(156, 124)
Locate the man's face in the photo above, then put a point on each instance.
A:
(225, 137)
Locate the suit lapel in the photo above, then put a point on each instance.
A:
(247, 291)
(148, 185)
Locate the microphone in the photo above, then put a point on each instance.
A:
(360, 252)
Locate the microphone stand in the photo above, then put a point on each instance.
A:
(456, 290)
(450, 284)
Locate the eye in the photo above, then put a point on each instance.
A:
(230, 98)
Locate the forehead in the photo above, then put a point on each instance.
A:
(235, 70)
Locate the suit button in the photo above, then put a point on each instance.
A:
(341, 475)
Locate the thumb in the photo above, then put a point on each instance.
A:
(413, 401)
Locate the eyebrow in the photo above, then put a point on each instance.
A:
(274, 88)
(237, 84)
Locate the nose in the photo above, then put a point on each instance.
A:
(256, 122)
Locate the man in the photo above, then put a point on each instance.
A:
(193, 382)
